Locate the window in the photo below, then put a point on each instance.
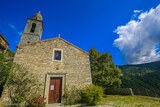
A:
(33, 27)
(57, 55)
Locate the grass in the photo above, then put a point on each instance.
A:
(129, 101)
(125, 101)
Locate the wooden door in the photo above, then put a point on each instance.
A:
(55, 90)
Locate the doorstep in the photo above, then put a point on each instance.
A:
(62, 105)
(77, 105)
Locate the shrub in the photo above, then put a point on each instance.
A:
(1, 104)
(23, 85)
(118, 91)
(18, 99)
(37, 102)
(91, 95)
(71, 96)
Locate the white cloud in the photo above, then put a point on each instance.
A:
(137, 11)
(135, 14)
(15, 29)
(138, 39)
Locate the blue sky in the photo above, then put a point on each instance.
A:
(85, 23)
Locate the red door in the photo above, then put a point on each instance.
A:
(55, 90)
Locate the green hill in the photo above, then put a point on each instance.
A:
(144, 79)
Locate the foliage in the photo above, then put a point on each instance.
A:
(94, 54)
(104, 72)
(19, 99)
(22, 84)
(142, 78)
(9, 53)
(71, 95)
(118, 91)
(37, 102)
(91, 95)
(5, 67)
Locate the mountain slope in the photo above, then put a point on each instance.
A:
(144, 79)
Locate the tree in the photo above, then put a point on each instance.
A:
(104, 71)
(94, 54)
(5, 67)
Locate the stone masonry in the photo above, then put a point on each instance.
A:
(38, 58)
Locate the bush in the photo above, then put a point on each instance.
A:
(71, 96)
(118, 91)
(23, 85)
(18, 99)
(91, 95)
(37, 102)
(1, 104)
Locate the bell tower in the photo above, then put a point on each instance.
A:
(33, 29)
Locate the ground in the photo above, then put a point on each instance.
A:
(121, 101)
(129, 101)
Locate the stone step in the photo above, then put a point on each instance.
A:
(62, 105)
(78, 105)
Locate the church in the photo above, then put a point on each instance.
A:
(57, 63)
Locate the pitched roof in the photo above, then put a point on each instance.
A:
(54, 39)
(4, 38)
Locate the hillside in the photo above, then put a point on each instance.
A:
(144, 79)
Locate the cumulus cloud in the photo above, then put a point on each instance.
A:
(15, 29)
(139, 39)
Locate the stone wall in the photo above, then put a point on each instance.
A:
(28, 36)
(74, 67)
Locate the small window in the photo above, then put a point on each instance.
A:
(57, 55)
(33, 27)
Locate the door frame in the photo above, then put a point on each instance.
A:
(48, 77)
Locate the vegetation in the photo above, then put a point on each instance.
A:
(129, 101)
(71, 96)
(142, 78)
(119, 91)
(5, 67)
(37, 102)
(91, 95)
(9, 53)
(23, 86)
(104, 72)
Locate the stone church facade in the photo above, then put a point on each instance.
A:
(57, 63)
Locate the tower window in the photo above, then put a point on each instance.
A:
(33, 27)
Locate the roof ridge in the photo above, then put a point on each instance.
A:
(54, 39)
